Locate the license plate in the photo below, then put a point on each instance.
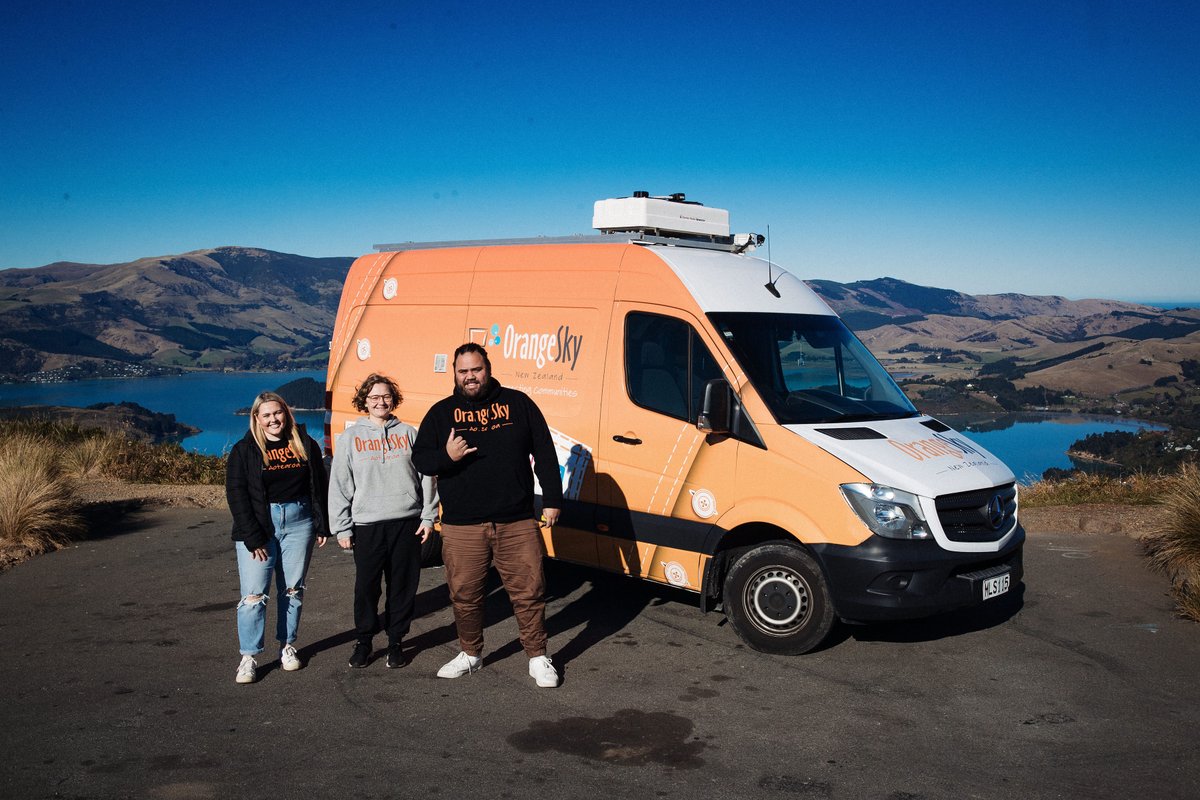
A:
(998, 585)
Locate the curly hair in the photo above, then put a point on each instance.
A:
(360, 397)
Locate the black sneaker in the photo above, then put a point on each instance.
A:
(395, 657)
(361, 655)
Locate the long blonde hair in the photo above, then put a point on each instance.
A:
(293, 431)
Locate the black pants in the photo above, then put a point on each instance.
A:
(391, 550)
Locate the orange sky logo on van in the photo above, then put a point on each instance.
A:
(938, 446)
(560, 347)
(394, 442)
(482, 416)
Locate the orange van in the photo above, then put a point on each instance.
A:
(719, 429)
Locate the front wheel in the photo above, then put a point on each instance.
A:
(778, 601)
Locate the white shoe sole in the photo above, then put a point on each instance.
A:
(458, 672)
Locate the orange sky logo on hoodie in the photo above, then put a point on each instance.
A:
(394, 441)
(497, 415)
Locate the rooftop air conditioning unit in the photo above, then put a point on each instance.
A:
(672, 214)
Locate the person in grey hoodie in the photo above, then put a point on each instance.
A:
(380, 506)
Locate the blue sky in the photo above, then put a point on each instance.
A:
(1041, 147)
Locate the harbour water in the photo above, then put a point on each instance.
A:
(1029, 443)
(205, 400)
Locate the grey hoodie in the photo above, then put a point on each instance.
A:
(373, 478)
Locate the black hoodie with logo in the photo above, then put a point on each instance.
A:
(495, 483)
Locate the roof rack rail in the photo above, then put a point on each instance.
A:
(732, 244)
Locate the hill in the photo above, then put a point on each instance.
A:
(229, 307)
(243, 307)
(126, 419)
(1091, 347)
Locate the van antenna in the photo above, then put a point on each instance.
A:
(770, 284)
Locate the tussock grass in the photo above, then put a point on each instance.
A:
(95, 454)
(138, 462)
(38, 509)
(1189, 604)
(1174, 546)
(1139, 489)
(91, 456)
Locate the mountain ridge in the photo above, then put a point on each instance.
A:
(237, 307)
(227, 307)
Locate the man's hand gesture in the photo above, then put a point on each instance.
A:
(456, 447)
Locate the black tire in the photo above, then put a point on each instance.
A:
(778, 601)
(431, 550)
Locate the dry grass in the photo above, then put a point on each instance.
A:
(1174, 546)
(93, 453)
(90, 456)
(1189, 604)
(1140, 489)
(38, 509)
(138, 462)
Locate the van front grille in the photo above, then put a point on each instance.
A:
(983, 515)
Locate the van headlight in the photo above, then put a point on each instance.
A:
(886, 511)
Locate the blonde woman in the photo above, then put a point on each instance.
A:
(276, 486)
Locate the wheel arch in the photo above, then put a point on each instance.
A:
(732, 545)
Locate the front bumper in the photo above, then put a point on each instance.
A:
(886, 579)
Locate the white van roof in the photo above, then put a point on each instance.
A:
(727, 282)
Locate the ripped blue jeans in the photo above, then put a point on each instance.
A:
(288, 554)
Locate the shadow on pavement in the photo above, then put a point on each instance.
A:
(942, 626)
(107, 520)
(607, 606)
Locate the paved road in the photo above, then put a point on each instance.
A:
(119, 656)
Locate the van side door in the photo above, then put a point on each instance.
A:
(657, 473)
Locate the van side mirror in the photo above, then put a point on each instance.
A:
(716, 413)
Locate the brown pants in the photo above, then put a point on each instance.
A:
(516, 548)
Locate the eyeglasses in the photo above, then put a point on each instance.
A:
(379, 398)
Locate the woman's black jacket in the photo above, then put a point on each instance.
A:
(246, 492)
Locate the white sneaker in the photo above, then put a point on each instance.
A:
(289, 659)
(461, 664)
(247, 670)
(542, 671)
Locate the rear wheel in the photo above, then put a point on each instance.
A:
(778, 601)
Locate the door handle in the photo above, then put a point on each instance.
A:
(626, 439)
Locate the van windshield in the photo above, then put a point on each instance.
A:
(810, 368)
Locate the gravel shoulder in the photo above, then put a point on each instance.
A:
(1091, 519)
(99, 492)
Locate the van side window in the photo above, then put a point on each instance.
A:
(667, 365)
